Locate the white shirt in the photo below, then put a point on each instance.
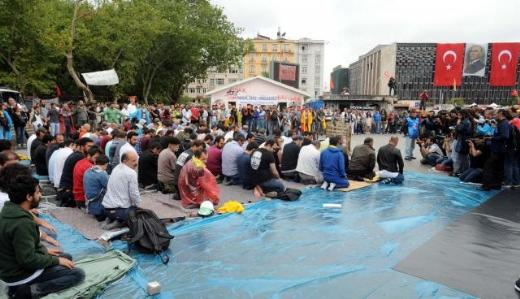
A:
(122, 188)
(435, 149)
(56, 163)
(131, 108)
(127, 147)
(29, 142)
(309, 161)
(3, 199)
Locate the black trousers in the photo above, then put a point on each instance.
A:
(493, 173)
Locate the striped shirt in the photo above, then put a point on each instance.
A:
(122, 188)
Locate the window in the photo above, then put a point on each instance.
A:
(220, 81)
(304, 81)
(232, 80)
(285, 59)
(317, 58)
(275, 48)
(264, 70)
(264, 47)
(264, 59)
(198, 89)
(251, 69)
(305, 58)
(317, 83)
(204, 90)
(286, 48)
(251, 57)
(317, 69)
(304, 70)
(211, 82)
(192, 90)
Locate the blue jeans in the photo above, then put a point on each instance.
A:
(511, 168)
(20, 135)
(235, 180)
(273, 184)
(52, 280)
(471, 175)
(409, 146)
(378, 127)
(54, 128)
(120, 214)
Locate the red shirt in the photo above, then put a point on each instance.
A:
(214, 163)
(77, 179)
(195, 114)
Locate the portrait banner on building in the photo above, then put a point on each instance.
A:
(504, 63)
(449, 61)
(287, 72)
(475, 60)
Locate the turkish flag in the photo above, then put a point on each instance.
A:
(504, 61)
(448, 64)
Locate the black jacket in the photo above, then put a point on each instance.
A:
(389, 158)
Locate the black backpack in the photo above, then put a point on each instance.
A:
(289, 194)
(148, 233)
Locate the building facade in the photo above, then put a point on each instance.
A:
(413, 67)
(258, 62)
(311, 58)
(214, 80)
(339, 79)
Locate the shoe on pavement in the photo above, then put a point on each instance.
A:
(332, 186)
(408, 158)
(413, 158)
(517, 285)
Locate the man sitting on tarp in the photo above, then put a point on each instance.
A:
(26, 266)
(332, 165)
(122, 191)
(363, 161)
(196, 182)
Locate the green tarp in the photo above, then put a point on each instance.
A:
(100, 271)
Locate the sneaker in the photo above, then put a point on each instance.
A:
(507, 186)
(517, 285)
(413, 158)
(408, 158)
(332, 186)
(324, 185)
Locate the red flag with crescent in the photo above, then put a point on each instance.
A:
(448, 64)
(504, 62)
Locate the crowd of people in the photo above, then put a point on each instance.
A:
(100, 158)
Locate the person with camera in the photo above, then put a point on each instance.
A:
(494, 167)
(430, 151)
(479, 153)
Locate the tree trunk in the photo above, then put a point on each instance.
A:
(89, 95)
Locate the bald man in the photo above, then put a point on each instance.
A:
(390, 160)
(122, 190)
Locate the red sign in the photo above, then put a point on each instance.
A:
(504, 61)
(287, 72)
(448, 64)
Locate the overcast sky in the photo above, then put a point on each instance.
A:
(351, 28)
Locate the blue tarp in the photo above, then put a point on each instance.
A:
(300, 249)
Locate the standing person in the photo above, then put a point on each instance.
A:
(37, 119)
(53, 116)
(20, 121)
(464, 131)
(377, 122)
(122, 191)
(390, 161)
(80, 114)
(332, 165)
(68, 121)
(411, 127)
(493, 173)
(6, 124)
(424, 98)
(29, 269)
